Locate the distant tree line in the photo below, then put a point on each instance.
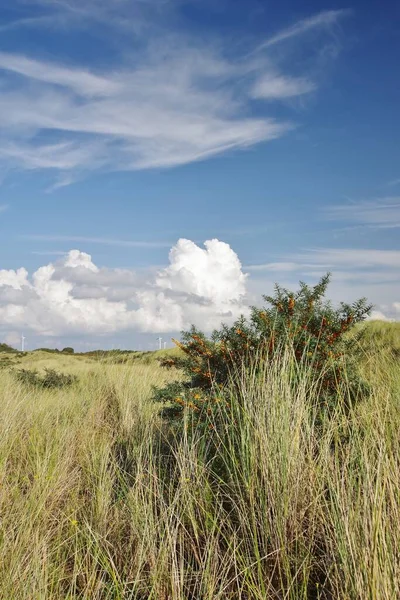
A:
(7, 348)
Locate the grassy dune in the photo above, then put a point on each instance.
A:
(98, 501)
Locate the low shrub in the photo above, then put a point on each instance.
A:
(5, 362)
(302, 322)
(49, 380)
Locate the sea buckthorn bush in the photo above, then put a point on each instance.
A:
(303, 322)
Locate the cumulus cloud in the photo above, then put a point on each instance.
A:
(14, 279)
(203, 286)
(378, 315)
(387, 312)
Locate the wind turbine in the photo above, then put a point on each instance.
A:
(23, 338)
(159, 339)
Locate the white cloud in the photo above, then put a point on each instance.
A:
(97, 240)
(81, 82)
(160, 114)
(74, 296)
(351, 258)
(356, 273)
(323, 19)
(75, 258)
(381, 213)
(347, 262)
(388, 313)
(174, 101)
(213, 273)
(273, 87)
(126, 15)
(377, 315)
(61, 156)
(274, 266)
(14, 279)
(202, 285)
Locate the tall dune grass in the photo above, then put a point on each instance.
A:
(99, 500)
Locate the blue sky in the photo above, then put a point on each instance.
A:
(127, 126)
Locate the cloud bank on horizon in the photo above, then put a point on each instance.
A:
(73, 296)
(201, 286)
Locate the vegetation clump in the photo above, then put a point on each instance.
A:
(49, 350)
(302, 322)
(5, 361)
(51, 378)
(7, 348)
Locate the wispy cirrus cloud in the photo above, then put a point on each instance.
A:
(273, 87)
(49, 252)
(82, 82)
(381, 213)
(176, 100)
(3, 208)
(98, 240)
(356, 272)
(62, 14)
(274, 267)
(351, 258)
(324, 19)
(346, 263)
(158, 115)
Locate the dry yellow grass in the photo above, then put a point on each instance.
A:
(96, 503)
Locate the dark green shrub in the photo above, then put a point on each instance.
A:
(28, 377)
(50, 350)
(302, 321)
(7, 348)
(55, 379)
(68, 350)
(5, 362)
(49, 380)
